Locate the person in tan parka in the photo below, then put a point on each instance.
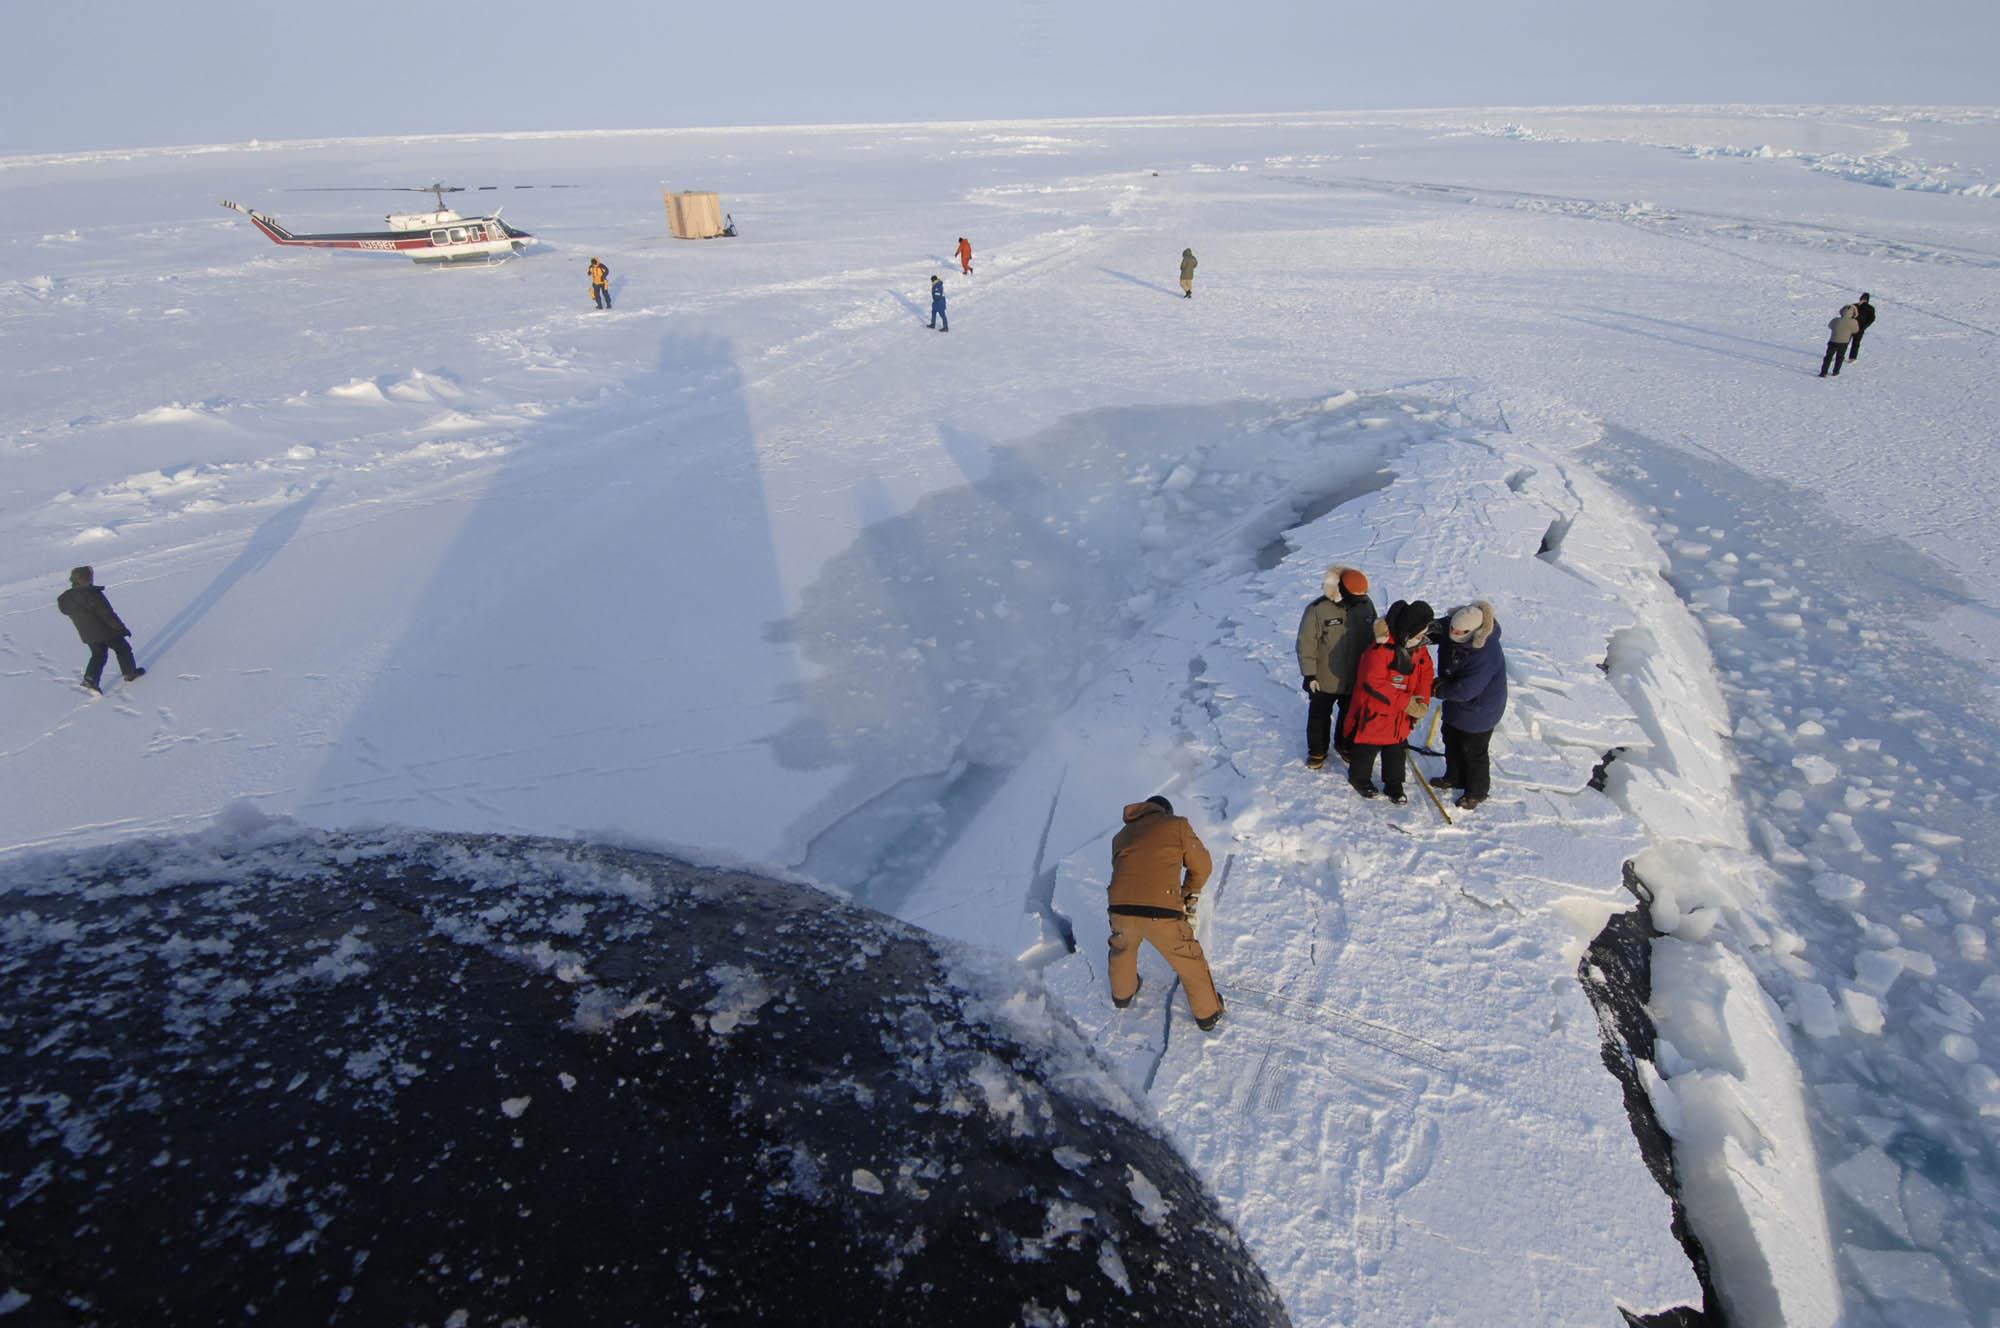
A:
(1158, 867)
(1840, 329)
(600, 283)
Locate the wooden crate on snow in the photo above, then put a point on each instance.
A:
(695, 215)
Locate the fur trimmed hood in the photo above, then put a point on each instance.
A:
(1330, 584)
(1487, 622)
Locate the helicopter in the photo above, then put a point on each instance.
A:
(440, 236)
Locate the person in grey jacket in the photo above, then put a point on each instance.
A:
(1332, 632)
(85, 605)
(1187, 274)
(1840, 330)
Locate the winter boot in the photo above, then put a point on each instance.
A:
(1314, 762)
(1365, 790)
(1126, 1003)
(1208, 1025)
(1444, 781)
(135, 675)
(1468, 802)
(1396, 796)
(90, 685)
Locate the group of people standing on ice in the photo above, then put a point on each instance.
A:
(1369, 678)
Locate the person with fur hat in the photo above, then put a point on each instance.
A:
(1392, 689)
(1158, 866)
(90, 612)
(1840, 330)
(1864, 318)
(1472, 682)
(1332, 633)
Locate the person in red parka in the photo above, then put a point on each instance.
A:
(964, 252)
(1392, 690)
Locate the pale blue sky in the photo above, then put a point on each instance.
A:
(106, 73)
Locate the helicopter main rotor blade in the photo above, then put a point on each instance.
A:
(414, 189)
(376, 189)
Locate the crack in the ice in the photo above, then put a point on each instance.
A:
(1042, 883)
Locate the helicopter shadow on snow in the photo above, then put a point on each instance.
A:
(607, 532)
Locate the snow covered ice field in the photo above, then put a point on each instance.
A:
(757, 566)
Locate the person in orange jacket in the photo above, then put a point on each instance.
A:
(1392, 689)
(964, 252)
(600, 284)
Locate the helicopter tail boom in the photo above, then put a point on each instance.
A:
(278, 234)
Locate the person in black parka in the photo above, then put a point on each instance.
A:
(1864, 318)
(85, 605)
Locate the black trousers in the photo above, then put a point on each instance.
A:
(1322, 729)
(601, 296)
(1854, 346)
(95, 669)
(1465, 761)
(1836, 352)
(1361, 766)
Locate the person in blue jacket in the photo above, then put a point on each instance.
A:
(1472, 683)
(937, 305)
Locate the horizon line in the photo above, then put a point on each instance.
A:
(82, 156)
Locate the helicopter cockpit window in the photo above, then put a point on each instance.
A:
(478, 234)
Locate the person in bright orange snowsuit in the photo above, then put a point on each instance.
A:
(965, 254)
(600, 284)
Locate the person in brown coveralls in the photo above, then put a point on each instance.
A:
(1158, 866)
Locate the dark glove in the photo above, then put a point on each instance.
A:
(1309, 684)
